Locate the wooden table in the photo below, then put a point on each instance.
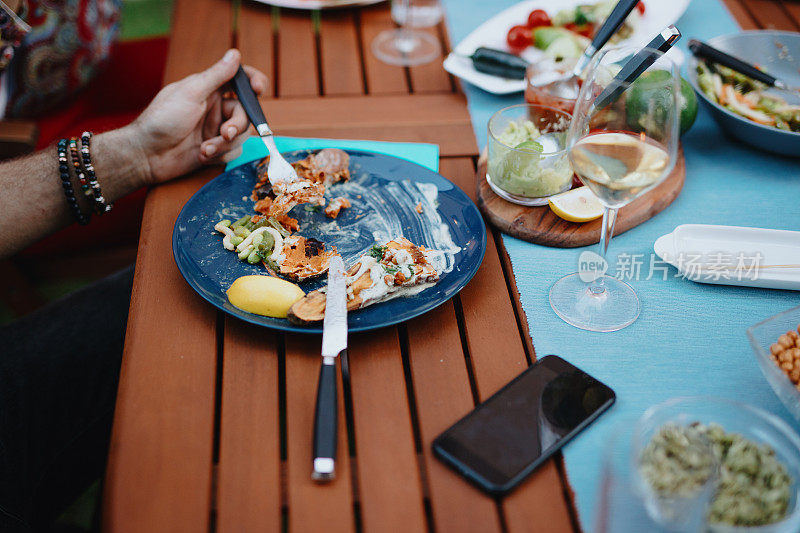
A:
(214, 417)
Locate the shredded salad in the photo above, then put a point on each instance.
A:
(747, 97)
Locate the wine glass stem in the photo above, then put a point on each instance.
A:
(597, 286)
(405, 28)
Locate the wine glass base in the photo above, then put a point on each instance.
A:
(613, 309)
(405, 47)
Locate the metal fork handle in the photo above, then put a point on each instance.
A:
(635, 66)
(610, 25)
(249, 101)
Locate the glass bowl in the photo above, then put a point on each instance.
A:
(522, 172)
(544, 86)
(762, 336)
(734, 417)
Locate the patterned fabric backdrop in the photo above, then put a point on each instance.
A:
(69, 42)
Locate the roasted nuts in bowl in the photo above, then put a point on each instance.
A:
(785, 353)
(776, 345)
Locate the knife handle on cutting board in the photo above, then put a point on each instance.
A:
(325, 421)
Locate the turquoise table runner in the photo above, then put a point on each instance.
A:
(690, 338)
(423, 154)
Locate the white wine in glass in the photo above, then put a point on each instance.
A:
(619, 167)
(622, 142)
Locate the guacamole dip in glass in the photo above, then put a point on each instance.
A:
(527, 159)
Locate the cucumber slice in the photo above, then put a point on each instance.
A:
(545, 35)
(564, 47)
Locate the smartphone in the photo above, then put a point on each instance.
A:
(506, 437)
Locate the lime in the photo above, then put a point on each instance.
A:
(518, 160)
(645, 94)
(530, 145)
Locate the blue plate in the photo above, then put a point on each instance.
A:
(383, 189)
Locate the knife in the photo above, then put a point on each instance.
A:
(334, 343)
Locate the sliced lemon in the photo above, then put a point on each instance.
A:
(264, 295)
(577, 205)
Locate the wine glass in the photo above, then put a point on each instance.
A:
(622, 142)
(405, 46)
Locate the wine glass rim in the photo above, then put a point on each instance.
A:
(756, 413)
(635, 49)
(499, 112)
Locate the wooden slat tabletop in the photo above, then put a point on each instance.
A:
(214, 417)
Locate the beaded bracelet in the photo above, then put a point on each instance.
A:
(66, 182)
(76, 164)
(100, 204)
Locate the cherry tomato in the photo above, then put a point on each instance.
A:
(519, 38)
(587, 30)
(640, 7)
(539, 17)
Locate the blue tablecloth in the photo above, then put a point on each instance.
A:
(423, 154)
(690, 338)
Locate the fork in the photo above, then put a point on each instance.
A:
(278, 170)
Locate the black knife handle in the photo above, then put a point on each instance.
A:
(703, 51)
(325, 418)
(248, 99)
(635, 66)
(613, 22)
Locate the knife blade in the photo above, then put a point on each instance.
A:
(334, 324)
(334, 343)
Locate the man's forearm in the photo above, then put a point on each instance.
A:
(32, 203)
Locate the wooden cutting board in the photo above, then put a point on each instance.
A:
(541, 226)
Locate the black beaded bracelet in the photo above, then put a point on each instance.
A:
(66, 182)
(100, 204)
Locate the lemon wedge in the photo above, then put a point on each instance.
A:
(577, 205)
(264, 295)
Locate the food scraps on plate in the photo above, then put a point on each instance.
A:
(389, 270)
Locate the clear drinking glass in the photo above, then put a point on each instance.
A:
(627, 503)
(528, 176)
(417, 13)
(620, 152)
(405, 46)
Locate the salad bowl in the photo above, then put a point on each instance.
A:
(777, 52)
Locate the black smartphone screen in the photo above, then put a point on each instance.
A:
(511, 433)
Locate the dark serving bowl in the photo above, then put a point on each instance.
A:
(779, 53)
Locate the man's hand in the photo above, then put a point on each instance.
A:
(189, 123)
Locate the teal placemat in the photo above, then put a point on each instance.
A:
(423, 154)
(690, 338)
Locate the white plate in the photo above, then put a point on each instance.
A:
(732, 255)
(318, 4)
(492, 33)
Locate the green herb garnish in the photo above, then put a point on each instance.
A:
(312, 208)
(377, 252)
(581, 18)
